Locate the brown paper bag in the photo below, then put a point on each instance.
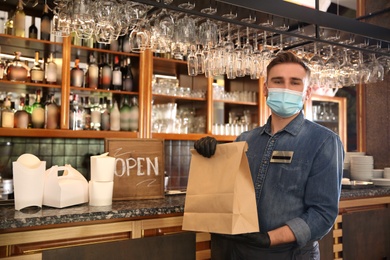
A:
(220, 193)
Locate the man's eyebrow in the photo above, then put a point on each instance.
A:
(281, 78)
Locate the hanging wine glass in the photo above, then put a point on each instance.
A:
(256, 61)
(316, 65)
(331, 70)
(209, 10)
(347, 71)
(248, 51)
(363, 72)
(230, 15)
(187, 5)
(377, 70)
(229, 55)
(265, 54)
(268, 22)
(283, 26)
(239, 53)
(249, 19)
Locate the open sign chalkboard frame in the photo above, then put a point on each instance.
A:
(139, 168)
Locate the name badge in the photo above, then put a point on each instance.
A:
(282, 156)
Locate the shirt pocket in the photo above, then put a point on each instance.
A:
(291, 177)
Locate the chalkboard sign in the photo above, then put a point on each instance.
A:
(139, 172)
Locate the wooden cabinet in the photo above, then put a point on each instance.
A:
(366, 234)
(330, 112)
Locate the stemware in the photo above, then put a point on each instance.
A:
(247, 51)
(316, 65)
(187, 5)
(331, 70)
(347, 71)
(363, 71)
(268, 22)
(256, 62)
(266, 54)
(377, 70)
(240, 59)
(209, 10)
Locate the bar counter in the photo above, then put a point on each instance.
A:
(171, 204)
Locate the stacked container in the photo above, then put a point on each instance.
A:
(101, 184)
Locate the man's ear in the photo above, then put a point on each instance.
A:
(265, 89)
(308, 93)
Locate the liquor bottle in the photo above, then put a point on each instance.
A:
(114, 45)
(21, 117)
(134, 114)
(2, 66)
(116, 74)
(125, 114)
(128, 77)
(86, 104)
(19, 20)
(76, 75)
(33, 30)
(7, 115)
(92, 73)
(115, 118)
(52, 113)
(36, 73)
(38, 112)
(9, 24)
(76, 121)
(17, 70)
(105, 74)
(105, 113)
(45, 23)
(126, 47)
(51, 71)
(96, 116)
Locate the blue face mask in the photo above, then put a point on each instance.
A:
(284, 102)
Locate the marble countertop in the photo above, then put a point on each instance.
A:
(11, 218)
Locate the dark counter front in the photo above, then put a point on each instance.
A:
(11, 218)
(172, 204)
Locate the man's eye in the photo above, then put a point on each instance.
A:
(277, 81)
(296, 83)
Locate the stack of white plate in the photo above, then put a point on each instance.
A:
(348, 156)
(361, 167)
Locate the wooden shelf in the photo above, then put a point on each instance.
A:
(61, 133)
(23, 87)
(27, 46)
(193, 137)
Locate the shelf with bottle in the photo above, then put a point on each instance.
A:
(105, 72)
(10, 44)
(24, 76)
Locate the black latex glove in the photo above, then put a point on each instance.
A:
(206, 146)
(255, 239)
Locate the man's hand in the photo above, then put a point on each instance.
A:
(255, 239)
(206, 146)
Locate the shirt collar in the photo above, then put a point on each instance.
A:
(293, 127)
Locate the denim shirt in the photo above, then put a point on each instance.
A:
(303, 194)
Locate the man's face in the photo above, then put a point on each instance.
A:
(287, 75)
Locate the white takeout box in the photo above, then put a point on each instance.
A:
(62, 191)
(28, 183)
(102, 167)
